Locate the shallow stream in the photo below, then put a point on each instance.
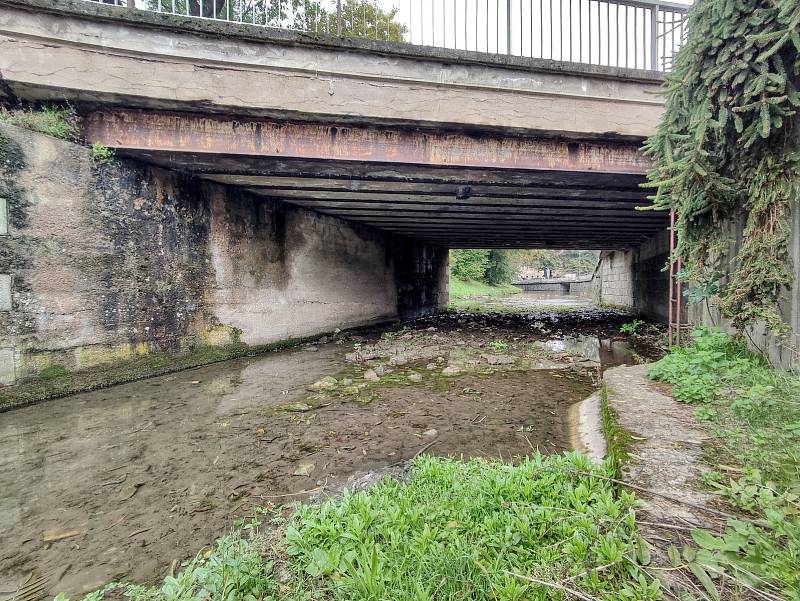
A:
(122, 482)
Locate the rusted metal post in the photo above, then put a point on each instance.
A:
(671, 287)
(679, 294)
(339, 18)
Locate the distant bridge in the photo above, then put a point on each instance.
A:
(562, 285)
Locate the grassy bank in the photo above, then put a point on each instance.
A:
(467, 289)
(470, 295)
(480, 530)
(752, 413)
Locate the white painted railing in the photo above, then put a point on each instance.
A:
(634, 34)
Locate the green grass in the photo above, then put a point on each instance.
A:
(455, 531)
(102, 153)
(58, 122)
(618, 440)
(752, 412)
(467, 289)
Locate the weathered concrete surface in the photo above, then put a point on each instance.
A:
(666, 453)
(783, 351)
(107, 262)
(633, 278)
(100, 54)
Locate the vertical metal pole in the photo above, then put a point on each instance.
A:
(508, 27)
(339, 18)
(671, 286)
(635, 37)
(679, 294)
(608, 33)
(654, 38)
(580, 31)
(541, 28)
(569, 23)
(589, 6)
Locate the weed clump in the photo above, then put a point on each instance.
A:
(101, 154)
(59, 122)
(753, 412)
(466, 530)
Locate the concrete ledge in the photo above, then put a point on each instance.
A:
(244, 31)
(101, 55)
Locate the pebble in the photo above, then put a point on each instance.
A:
(326, 383)
(498, 359)
(304, 469)
(451, 370)
(371, 376)
(415, 377)
(431, 433)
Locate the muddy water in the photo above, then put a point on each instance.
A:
(121, 482)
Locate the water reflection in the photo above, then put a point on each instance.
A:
(604, 351)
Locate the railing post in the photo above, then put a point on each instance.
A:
(508, 28)
(339, 18)
(654, 38)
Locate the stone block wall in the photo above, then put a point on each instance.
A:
(100, 263)
(616, 278)
(632, 279)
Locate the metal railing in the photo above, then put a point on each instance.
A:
(636, 34)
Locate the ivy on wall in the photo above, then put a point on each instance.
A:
(728, 147)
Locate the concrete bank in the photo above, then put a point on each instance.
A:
(633, 279)
(101, 264)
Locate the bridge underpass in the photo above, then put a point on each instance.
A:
(449, 189)
(271, 185)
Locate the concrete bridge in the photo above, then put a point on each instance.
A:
(413, 148)
(450, 147)
(558, 285)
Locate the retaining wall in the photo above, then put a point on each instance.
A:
(101, 263)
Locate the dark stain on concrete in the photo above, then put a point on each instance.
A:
(156, 271)
(12, 162)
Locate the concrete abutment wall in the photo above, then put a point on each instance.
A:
(633, 279)
(102, 263)
(636, 279)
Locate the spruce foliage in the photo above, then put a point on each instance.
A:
(727, 147)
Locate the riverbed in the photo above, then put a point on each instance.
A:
(124, 482)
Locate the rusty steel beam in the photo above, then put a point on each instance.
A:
(162, 132)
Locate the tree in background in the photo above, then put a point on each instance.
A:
(580, 261)
(502, 266)
(360, 18)
(499, 268)
(469, 264)
(559, 261)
